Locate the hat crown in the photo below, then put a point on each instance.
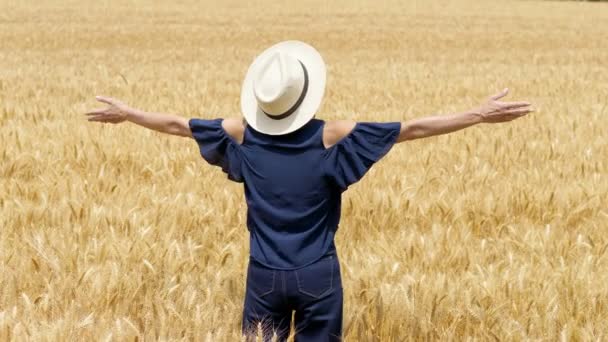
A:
(278, 83)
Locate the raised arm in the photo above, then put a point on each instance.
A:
(118, 112)
(492, 111)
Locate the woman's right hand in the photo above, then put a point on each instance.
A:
(494, 111)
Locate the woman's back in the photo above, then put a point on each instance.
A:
(293, 184)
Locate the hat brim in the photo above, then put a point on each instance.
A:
(315, 66)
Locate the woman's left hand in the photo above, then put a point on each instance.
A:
(117, 111)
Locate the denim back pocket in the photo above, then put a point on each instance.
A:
(260, 280)
(317, 280)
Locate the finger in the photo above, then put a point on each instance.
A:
(104, 99)
(517, 104)
(98, 118)
(520, 111)
(95, 112)
(500, 95)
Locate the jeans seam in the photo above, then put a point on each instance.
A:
(284, 287)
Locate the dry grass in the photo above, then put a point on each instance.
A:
(116, 233)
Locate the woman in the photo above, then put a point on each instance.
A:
(294, 169)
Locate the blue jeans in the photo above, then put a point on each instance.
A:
(313, 291)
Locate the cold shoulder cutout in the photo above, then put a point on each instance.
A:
(347, 161)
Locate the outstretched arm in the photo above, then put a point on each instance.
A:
(492, 111)
(118, 112)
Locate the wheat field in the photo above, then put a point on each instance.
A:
(116, 233)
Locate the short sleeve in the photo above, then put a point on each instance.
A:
(348, 161)
(217, 147)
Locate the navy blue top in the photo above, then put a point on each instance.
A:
(293, 184)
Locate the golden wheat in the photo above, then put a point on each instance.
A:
(118, 233)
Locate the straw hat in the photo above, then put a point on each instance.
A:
(283, 88)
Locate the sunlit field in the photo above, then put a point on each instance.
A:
(116, 233)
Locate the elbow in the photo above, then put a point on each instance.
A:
(178, 127)
(411, 132)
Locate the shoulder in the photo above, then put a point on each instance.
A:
(335, 131)
(235, 127)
